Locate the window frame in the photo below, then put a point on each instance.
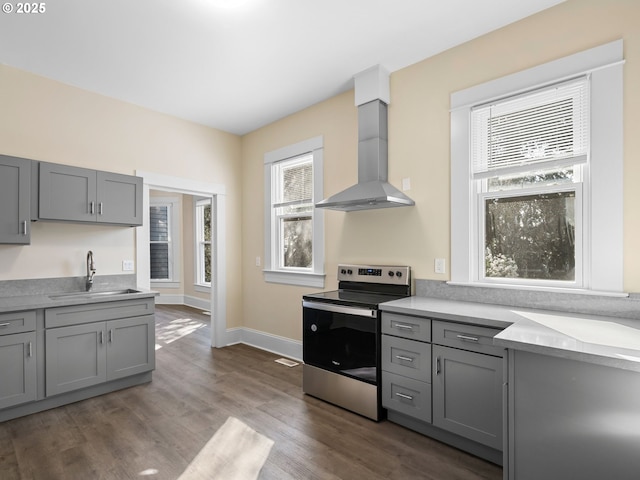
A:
(173, 205)
(273, 271)
(602, 212)
(199, 243)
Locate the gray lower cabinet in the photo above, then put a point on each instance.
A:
(15, 200)
(406, 365)
(76, 194)
(467, 394)
(445, 379)
(80, 356)
(95, 343)
(18, 367)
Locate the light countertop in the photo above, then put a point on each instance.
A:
(34, 302)
(608, 341)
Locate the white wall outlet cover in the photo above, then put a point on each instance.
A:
(127, 265)
(439, 265)
(406, 184)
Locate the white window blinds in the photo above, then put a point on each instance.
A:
(294, 182)
(536, 130)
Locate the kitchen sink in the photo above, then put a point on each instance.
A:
(108, 293)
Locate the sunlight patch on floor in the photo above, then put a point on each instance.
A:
(175, 330)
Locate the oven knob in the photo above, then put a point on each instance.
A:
(398, 274)
(391, 273)
(349, 271)
(314, 327)
(343, 271)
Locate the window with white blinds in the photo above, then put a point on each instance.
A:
(537, 130)
(294, 230)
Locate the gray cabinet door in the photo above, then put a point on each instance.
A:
(75, 357)
(467, 394)
(67, 193)
(130, 346)
(15, 200)
(119, 199)
(17, 369)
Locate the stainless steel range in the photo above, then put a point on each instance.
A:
(341, 336)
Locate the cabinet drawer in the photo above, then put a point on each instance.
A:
(406, 326)
(17, 322)
(407, 358)
(97, 312)
(467, 337)
(407, 396)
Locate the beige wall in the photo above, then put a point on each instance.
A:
(419, 150)
(45, 120)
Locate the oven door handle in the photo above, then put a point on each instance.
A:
(327, 307)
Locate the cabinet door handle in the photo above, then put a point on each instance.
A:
(3, 325)
(404, 395)
(437, 365)
(468, 338)
(92, 208)
(404, 327)
(101, 337)
(24, 227)
(404, 359)
(100, 208)
(111, 335)
(30, 350)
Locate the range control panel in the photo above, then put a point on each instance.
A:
(386, 274)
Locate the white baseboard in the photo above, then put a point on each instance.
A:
(265, 341)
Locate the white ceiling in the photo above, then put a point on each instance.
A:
(237, 68)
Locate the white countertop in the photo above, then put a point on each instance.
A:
(608, 341)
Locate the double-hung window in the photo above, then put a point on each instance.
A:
(160, 247)
(293, 227)
(203, 242)
(536, 176)
(529, 162)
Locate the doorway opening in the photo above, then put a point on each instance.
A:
(191, 189)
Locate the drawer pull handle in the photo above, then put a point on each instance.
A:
(468, 338)
(2, 325)
(404, 395)
(404, 327)
(404, 359)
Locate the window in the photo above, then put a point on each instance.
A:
(529, 156)
(294, 246)
(203, 242)
(164, 241)
(537, 176)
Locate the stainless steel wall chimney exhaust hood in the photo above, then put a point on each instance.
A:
(372, 190)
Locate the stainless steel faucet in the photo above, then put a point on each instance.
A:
(91, 270)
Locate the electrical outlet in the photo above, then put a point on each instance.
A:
(258, 261)
(127, 265)
(406, 184)
(439, 265)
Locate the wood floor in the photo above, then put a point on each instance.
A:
(153, 431)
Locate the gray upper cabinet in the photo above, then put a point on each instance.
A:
(83, 195)
(15, 200)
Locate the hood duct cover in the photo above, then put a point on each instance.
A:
(372, 190)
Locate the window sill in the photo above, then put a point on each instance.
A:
(295, 278)
(201, 288)
(532, 288)
(165, 284)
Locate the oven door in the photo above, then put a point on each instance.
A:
(341, 339)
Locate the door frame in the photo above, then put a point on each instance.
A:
(217, 193)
